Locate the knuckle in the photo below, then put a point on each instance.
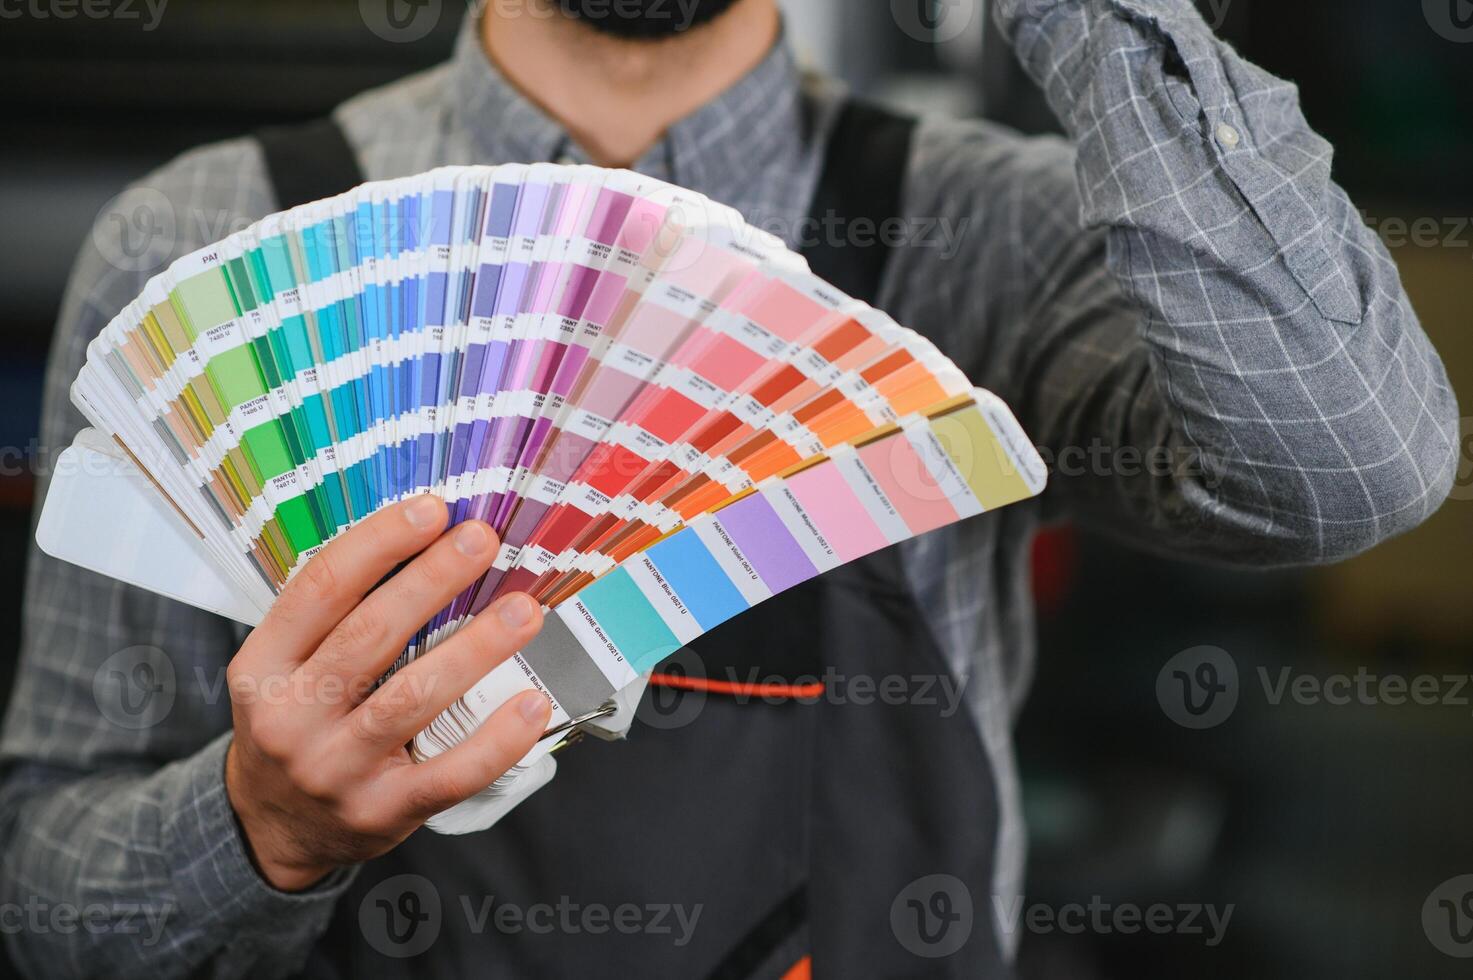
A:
(364, 628)
(361, 726)
(487, 639)
(372, 720)
(318, 579)
(239, 683)
(312, 780)
(371, 819)
(499, 751)
(428, 575)
(268, 738)
(407, 694)
(333, 657)
(436, 791)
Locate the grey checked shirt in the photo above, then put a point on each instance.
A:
(1188, 316)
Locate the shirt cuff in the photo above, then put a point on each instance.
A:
(1063, 44)
(1176, 133)
(218, 886)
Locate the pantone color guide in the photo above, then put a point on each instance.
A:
(665, 416)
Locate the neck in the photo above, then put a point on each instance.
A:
(618, 97)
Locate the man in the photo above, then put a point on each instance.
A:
(1179, 277)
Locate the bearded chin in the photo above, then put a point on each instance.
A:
(644, 20)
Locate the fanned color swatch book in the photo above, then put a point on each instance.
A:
(663, 413)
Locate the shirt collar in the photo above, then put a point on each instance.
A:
(753, 130)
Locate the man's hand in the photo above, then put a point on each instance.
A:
(318, 772)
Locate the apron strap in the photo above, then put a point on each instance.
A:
(863, 179)
(308, 161)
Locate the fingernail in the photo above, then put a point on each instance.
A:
(423, 511)
(472, 539)
(533, 708)
(516, 611)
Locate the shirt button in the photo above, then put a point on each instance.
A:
(1228, 136)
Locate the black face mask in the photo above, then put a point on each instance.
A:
(644, 20)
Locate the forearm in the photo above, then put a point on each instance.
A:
(145, 874)
(1280, 343)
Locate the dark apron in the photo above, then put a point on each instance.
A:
(728, 836)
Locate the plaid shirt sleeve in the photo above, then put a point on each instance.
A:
(1190, 284)
(1213, 353)
(117, 839)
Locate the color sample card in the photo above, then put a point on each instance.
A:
(961, 459)
(661, 411)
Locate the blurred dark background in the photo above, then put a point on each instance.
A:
(1325, 827)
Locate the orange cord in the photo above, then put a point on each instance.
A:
(796, 692)
(801, 970)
